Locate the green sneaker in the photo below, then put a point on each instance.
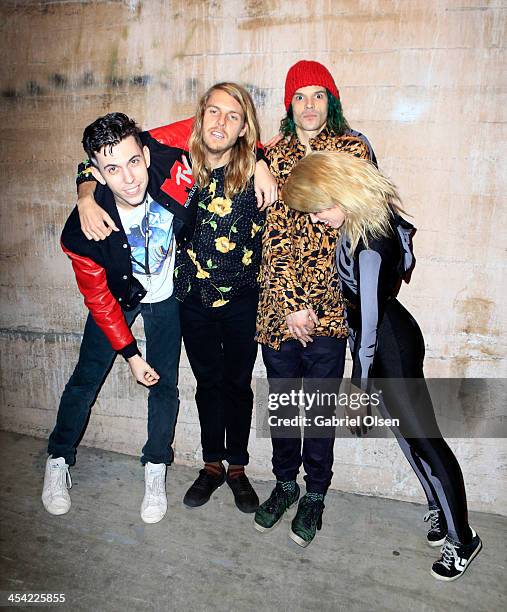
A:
(270, 513)
(307, 520)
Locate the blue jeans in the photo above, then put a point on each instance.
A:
(163, 346)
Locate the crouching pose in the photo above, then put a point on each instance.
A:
(374, 255)
(128, 273)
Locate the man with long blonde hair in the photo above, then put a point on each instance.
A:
(216, 279)
(203, 147)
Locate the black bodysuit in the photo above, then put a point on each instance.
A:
(387, 343)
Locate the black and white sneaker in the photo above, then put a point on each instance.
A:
(456, 558)
(438, 530)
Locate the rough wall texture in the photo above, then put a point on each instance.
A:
(424, 80)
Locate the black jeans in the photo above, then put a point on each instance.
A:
(324, 358)
(221, 350)
(163, 346)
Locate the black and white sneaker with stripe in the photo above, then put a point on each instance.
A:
(438, 530)
(456, 558)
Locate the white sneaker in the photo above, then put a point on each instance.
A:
(55, 497)
(154, 504)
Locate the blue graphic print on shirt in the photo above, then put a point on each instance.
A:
(159, 239)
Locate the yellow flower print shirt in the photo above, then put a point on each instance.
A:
(224, 254)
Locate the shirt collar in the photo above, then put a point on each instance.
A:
(298, 148)
(322, 136)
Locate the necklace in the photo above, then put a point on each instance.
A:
(147, 238)
(145, 226)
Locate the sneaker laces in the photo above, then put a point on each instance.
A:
(449, 554)
(243, 483)
(59, 478)
(275, 499)
(205, 479)
(155, 486)
(311, 511)
(434, 517)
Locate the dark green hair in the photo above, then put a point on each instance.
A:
(336, 122)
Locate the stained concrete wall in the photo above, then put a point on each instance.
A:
(424, 80)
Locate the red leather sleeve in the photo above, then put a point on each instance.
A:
(175, 134)
(104, 308)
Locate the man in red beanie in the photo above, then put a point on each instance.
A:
(301, 319)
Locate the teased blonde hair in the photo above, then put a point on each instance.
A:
(325, 179)
(242, 163)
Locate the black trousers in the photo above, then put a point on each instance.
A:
(400, 355)
(221, 350)
(324, 358)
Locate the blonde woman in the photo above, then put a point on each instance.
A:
(373, 257)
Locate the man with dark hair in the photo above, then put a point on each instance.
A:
(129, 273)
(305, 123)
(106, 132)
(301, 321)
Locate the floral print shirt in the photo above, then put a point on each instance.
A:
(223, 257)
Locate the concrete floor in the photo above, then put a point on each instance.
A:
(370, 555)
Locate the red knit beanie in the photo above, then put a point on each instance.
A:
(306, 73)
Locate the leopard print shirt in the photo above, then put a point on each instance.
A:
(298, 267)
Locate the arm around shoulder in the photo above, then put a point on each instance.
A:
(96, 224)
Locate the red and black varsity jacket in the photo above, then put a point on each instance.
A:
(103, 269)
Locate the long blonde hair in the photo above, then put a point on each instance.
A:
(242, 163)
(325, 179)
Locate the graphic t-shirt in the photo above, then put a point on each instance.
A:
(149, 229)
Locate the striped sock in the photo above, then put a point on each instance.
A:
(235, 471)
(289, 486)
(214, 469)
(315, 496)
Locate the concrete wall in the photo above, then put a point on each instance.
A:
(424, 80)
